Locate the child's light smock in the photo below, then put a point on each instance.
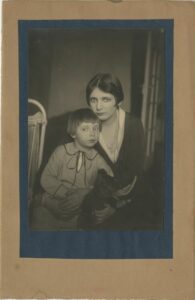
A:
(68, 167)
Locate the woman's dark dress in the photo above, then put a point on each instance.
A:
(131, 156)
(130, 163)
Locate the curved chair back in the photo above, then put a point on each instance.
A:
(36, 138)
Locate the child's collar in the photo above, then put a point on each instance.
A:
(71, 149)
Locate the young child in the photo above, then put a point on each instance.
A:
(72, 169)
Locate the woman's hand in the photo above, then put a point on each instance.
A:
(103, 214)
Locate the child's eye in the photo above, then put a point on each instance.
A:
(85, 128)
(92, 100)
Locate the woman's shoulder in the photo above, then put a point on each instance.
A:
(132, 118)
(133, 125)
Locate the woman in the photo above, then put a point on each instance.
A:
(121, 144)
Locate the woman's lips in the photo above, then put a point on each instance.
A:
(99, 114)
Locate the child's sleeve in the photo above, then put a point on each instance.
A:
(49, 178)
(102, 164)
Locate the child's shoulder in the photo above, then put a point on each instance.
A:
(59, 151)
(70, 148)
(92, 154)
(63, 152)
(99, 157)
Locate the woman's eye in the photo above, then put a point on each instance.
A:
(105, 99)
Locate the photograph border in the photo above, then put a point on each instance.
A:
(96, 244)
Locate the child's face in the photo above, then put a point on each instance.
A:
(87, 134)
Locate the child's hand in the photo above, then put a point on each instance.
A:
(71, 203)
(51, 204)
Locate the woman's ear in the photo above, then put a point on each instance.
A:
(118, 104)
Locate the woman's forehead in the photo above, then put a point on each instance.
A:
(98, 92)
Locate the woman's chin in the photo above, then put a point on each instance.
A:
(102, 117)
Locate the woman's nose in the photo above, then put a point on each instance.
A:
(98, 105)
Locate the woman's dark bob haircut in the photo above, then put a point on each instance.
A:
(108, 83)
(79, 116)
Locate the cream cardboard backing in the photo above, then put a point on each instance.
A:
(129, 278)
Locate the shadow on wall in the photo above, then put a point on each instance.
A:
(61, 63)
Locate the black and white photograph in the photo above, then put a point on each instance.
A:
(96, 129)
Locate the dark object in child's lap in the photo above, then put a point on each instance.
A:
(100, 195)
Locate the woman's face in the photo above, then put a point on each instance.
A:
(103, 104)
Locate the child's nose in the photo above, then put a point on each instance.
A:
(92, 133)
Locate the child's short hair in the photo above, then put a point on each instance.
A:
(79, 116)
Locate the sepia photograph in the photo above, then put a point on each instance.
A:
(95, 97)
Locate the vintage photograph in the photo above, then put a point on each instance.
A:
(96, 128)
(97, 150)
(96, 138)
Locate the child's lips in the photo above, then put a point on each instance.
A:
(92, 141)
